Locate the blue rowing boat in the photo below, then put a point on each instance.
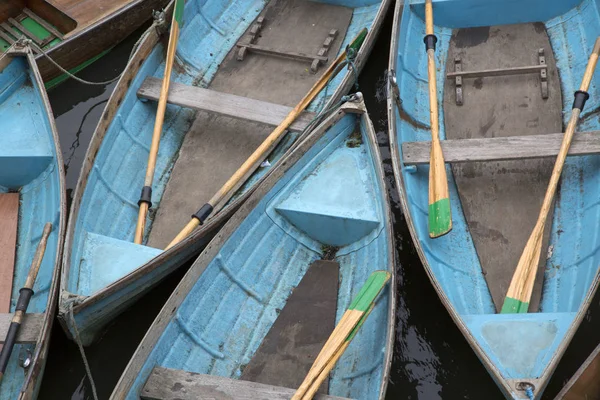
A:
(326, 200)
(507, 72)
(240, 67)
(31, 194)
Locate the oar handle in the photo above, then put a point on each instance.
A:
(428, 17)
(25, 295)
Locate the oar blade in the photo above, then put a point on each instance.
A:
(440, 214)
(370, 290)
(358, 40)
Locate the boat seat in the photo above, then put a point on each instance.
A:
(334, 204)
(29, 331)
(223, 104)
(105, 260)
(171, 384)
(502, 148)
(521, 345)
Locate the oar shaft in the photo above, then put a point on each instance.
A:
(145, 199)
(521, 286)
(25, 295)
(199, 217)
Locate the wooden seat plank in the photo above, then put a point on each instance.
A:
(223, 103)
(30, 328)
(171, 384)
(502, 148)
(300, 331)
(9, 217)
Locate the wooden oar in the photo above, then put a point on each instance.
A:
(440, 217)
(24, 297)
(145, 201)
(343, 332)
(520, 289)
(200, 216)
(310, 393)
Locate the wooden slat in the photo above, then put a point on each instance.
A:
(29, 331)
(286, 54)
(223, 104)
(43, 23)
(503, 148)
(9, 218)
(26, 31)
(171, 384)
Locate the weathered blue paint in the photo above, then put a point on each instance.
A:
(532, 344)
(231, 307)
(27, 138)
(470, 13)
(109, 202)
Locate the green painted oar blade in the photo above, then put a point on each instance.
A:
(370, 290)
(514, 306)
(440, 218)
(358, 40)
(178, 13)
(360, 323)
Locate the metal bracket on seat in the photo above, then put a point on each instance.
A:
(458, 75)
(315, 60)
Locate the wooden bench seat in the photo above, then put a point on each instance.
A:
(9, 215)
(29, 331)
(502, 148)
(171, 384)
(223, 104)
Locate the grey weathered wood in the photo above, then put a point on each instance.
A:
(223, 104)
(502, 148)
(29, 331)
(501, 199)
(171, 384)
(496, 72)
(281, 53)
(25, 31)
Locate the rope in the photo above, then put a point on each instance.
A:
(88, 371)
(159, 19)
(529, 393)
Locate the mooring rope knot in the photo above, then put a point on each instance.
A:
(529, 393)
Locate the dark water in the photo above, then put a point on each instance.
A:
(432, 360)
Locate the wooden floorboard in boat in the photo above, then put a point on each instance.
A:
(9, 215)
(217, 146)
(501, 200)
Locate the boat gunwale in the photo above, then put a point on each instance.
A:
(38, 360)
(171, 306)
(183, 247)
(397, 163)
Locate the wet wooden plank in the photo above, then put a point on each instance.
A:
(300, 331)
(29, 331)
(223, 104)
(502, 199)
(171, 384)
(585, 384)
(502, 148)
(9, 218)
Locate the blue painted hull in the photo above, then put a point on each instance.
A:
(104, 211)
(330, 192)
(31, 165)
(514, 348)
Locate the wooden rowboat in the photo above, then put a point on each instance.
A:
(507, 71)
(32, 193)
(236, 49)
(73, 33)
(244, 311)
(584, 385)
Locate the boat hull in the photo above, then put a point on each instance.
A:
(562, 305)
(364, 369)
(42, 199)
(92, 312)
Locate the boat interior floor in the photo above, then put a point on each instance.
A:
(216, 146)
(501, 200)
